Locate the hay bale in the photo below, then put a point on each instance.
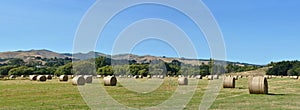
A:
(110, 81)
(41, 78)
(161, 76)
(229, 82)
(99, 76)
(182, 81)
(63, 78)
(198, 77)
(78, 80)
(210, 77)
(236, 77)
(136, 76)
(32, 77)
(12, 77)
(48, 76)
(258, 85)
(88, 79)
(216, 76)
(294, 77)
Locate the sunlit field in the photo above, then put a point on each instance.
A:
(52, 94)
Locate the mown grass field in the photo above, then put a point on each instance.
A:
(25, 94)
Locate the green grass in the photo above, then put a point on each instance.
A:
(25, 94)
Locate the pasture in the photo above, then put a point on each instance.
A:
(284, 93)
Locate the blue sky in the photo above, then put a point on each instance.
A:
(255, 31)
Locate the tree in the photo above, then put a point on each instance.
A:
(102, 61)
(16, 61)
(64, 70)
(84, 68)
(106, 70)
(5, 69)
(22, 70)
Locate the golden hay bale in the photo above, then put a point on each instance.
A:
(182, 81)
(161, 76)
(48, 76)
(78, 80)
(110, 81)
(216, 76)
(198, 77)
(41, 78)
(32, 77)
(294, 77)
(258, 85)
(229, 82)
(210, 77)
(236, 77)
(63, 78)
(88, 79)
(12, 77)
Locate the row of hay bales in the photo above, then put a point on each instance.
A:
(256, 84)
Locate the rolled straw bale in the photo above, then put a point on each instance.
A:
(78, 80)
(12, 77)
(41, 78)
(88, 79)
(258, 85)
(216, 76)
(63, 78)
(294, 77)
(110, 81)
(210, 77)
(48, 76)
(236, 77)
(198, 77)
(229, 82)
(182, 81)
(32, 77)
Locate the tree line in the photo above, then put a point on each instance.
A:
(284, 68)
(107, 66)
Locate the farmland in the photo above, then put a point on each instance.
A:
(25, 94)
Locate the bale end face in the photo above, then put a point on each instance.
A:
(41, 78)
(110, 81)
(229, 82)
(182, 81)
(63, 78)
(78, 80)
(258, 85)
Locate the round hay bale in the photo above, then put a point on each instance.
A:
(12, 77)
(182, 81)
(216, 76)
(229, 82)
(32, 77)
(258, 85)
(41, 78)
(236, 77)
(63, 78)
(141, 76)
(210, 77)
(161, 76)
(110, 81)
(136, 76)
(88, 79)
(198, 77)
(78, 80)
(294, 77)
(48, 76)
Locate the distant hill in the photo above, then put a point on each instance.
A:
(83, 56)
(31, 53)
